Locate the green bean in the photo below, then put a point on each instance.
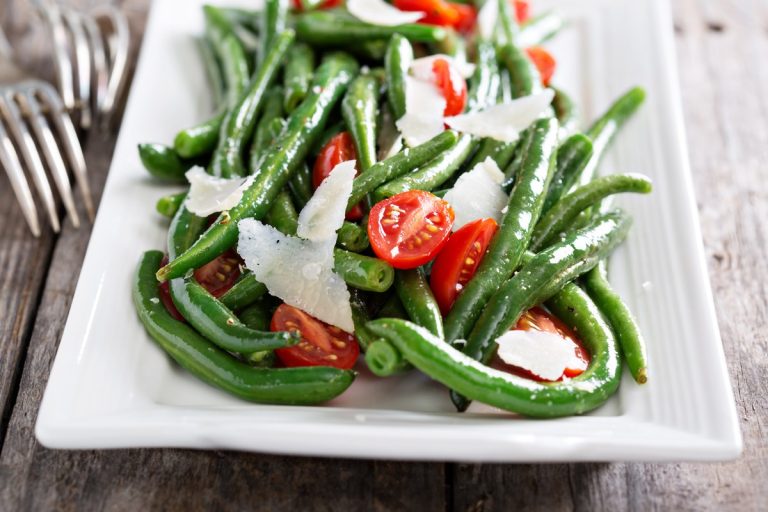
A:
(360, 317)
(352, 237)
(167, 206)
(436, 172)
(384, 359)
(331, 28)
(238, 126)
(605, 128)
(269, 127)
(500, 389)
(256, 316)
(236, 72)
(622, 322)
(511, 240)
(539, 29)
(304, 125)
(453, 44)
(399, 164)
(416, 296)
(249, 18)
(572, 156)
(566, 112)
(213, 70)
(360, 108)
(556, 220)
(508, 19)
(363, 272)
(500, 152)
(300, 185)
(273, 23)
(199, 140)
(524, 76)
(283, 215)
(332, 131)
(163, 162)
(243, 293)
(299, 66)
(200, 357)
(484, 83)
(540, 279)
(397, 62)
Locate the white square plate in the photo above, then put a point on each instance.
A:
(111, 387)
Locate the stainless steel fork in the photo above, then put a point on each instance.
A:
(33, 122)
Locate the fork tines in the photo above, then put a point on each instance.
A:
(35, 122)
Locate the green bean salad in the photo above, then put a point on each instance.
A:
(389, 188)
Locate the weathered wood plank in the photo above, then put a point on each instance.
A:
(721, 52)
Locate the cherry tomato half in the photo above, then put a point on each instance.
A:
(522, 11)
(538, 319)
(339, 149)
(467, 17)
(458, 261)
(164, 291)
(452, 85)
(321, 344)
(436, 12)
(218, 275)
(409, 228)
(544, 62)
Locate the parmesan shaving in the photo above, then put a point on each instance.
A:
(209, 194)
(424, 107)
(505, 121)
(477, 194)
(422, 68)
(545, 354)
(323, 215)
(378, 12)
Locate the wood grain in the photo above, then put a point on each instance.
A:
(721, 46)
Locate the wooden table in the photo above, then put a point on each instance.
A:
(723, 54)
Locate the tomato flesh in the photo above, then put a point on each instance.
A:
(339, 149)
(436, 12)
(522, 11)
(544, 62)
(409, 229)
(452, 85)
(321, 344)
(218, 275)
(458, 261)
(538, 319)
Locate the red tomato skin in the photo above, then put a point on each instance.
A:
(339, 149)
(539, 319)
(544, 62)
(437, 12)
(427, 218)
(321, 344)
(218, 275)
(522, 11)
(450, 271)
(452, 85)
(467, 17)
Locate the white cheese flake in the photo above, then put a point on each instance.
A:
(505, 121)
(477, 194)
(209, 194)
(424, 107)
(379, 12)
(542, 353)
(487, 18)
(323, 214)
(422, 68)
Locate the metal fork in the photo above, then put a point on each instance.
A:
(28, 110)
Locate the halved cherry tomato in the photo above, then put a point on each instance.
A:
(544, 62)
(321, 344)
(339, 149)
(467, 17)
(164, 291)
(436, 12)
(522, 11)
(452, 85)
(538, 319)
(218, 275)
(458, 260)
(409, 228)
(327, 4)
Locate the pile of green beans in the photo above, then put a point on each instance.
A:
(285, 83)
